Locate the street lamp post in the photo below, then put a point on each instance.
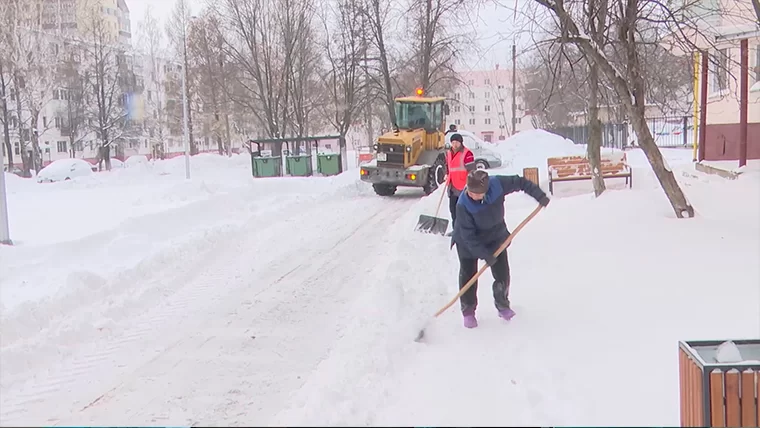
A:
(5, 232)
(186, 132)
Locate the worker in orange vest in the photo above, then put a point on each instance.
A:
(460, 161)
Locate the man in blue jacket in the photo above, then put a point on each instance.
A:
(480, 230)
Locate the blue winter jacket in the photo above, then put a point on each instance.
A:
(480, 228)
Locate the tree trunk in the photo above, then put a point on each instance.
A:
(36, 153)
(664, 175)
(594, 146)
(228, 138)
(25, 161)
(4, 112)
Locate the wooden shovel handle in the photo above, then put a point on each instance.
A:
(485, 266)
(440, 200)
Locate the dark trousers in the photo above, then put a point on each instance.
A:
(500, 271)
(453, 207)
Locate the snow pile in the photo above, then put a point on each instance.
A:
(728, 353)
(531, 149)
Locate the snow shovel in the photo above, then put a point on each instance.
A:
(475, 277)
(433, 224)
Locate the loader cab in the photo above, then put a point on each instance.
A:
(421, 113)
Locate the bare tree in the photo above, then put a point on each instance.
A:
(438, 46)
(74, 96)
(376, 14)
(344, 49)
(152, 46)
(35, 64)
(627, 80)
(210, 65)
(6, 72)
(105, 67)
(596, 24)
(177, 31)
(298, 36)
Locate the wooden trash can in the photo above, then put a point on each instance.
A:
(717, 394)
(532, 175)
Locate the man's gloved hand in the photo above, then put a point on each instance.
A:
(544, 201)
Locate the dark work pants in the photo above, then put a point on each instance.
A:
(500, 271)
(453, 207)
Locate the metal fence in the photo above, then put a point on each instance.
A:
(614, 135)
(667, 131)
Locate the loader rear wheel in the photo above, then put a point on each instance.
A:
(384, 189)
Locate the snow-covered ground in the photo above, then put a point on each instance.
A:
(136, 295)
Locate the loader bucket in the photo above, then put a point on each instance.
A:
(430, 224)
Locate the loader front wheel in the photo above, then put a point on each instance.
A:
(384, 189)
(436, 175)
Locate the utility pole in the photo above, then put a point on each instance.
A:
(184, 101)
(5, 232)
(514, 88)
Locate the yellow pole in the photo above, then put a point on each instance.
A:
(695, 119)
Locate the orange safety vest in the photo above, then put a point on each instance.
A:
(457, 170)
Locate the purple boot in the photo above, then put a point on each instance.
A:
(470, 321)
(506, 314)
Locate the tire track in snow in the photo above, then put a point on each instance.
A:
(106, 363)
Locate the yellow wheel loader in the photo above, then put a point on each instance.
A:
(413, 153)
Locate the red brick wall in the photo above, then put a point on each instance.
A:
(722, 142)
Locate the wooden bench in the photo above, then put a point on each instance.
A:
(576, 168)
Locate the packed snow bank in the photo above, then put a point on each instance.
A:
(594, 282)
(73, 237)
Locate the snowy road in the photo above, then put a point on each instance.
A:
(233, 337)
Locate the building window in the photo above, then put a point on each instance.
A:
(487, 138)
(456, 96)
(472, 95)
(61, 147)
(470, 82)
(472, 121)
(757, 64)
(58, 123)
(486, 108)
(487, 81)
(457, 122)
(472, 109)
(488, 121)
(456, 109)
(719, 75)
(488, 95)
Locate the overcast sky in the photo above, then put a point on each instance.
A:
(494, 26)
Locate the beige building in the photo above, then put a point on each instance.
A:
(70, 16)
(731, 21)
(482, 104)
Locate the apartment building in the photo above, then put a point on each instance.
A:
(482, 104)
(69, 17)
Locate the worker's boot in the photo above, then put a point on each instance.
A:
(506, 314)
(469, 320)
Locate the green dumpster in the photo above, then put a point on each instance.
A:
(328, 164)
(270, 166)
(298, 165)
